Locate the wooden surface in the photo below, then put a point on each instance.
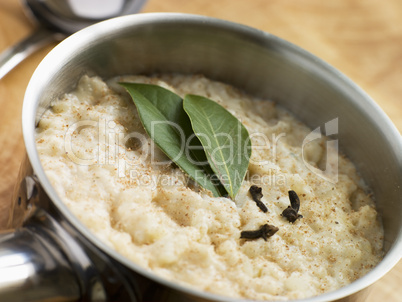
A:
(362, 38)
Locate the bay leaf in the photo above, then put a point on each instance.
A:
(225, 140)
(164, 119)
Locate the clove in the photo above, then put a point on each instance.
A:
(264, 232)
(256, 194)
(291, 212)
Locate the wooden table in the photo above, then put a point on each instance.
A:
(362, 38)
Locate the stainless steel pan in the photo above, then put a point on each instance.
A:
(50, 255)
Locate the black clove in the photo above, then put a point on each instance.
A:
(265, 231)
(256, 194)
(291, 212)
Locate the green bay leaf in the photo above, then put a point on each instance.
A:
(225, 140)
(164, 119)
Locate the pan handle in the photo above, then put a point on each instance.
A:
(30, 271)
(44, 258)
(42, 262)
